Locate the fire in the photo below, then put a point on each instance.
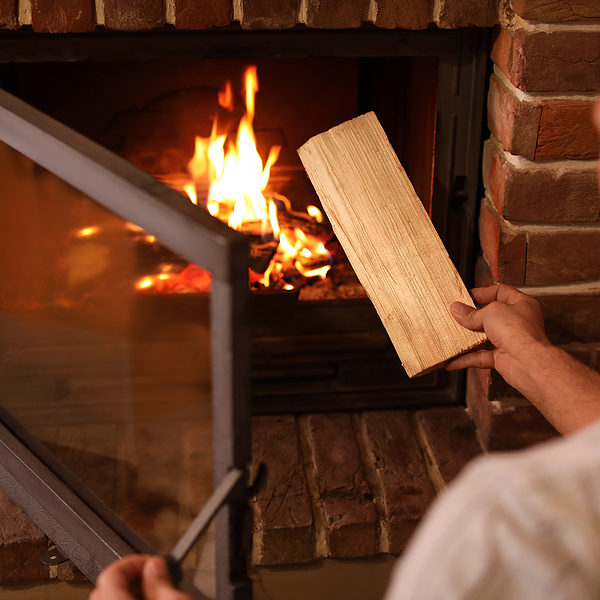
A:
(229, 171)
(237, 194)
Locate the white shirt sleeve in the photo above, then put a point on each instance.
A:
(517, 526)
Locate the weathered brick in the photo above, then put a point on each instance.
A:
(408, 14)
(21, 547)
(190, 14)
(566, 130)
(453, 14)
(549, 61)
(571, 316)
(557, 11)
(504, 246)
(398, 470)
(507, 424)
(344, 495)
(562, 255)
(335, 14)
(62, 16)
(266, 14)
(557, 192)
(9, 13)
(449, 439)
(133, 15)
(570, 313)
(513, 122)
(283, 530)
(541, 128)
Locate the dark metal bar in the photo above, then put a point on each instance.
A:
(230, 335)
(225, 42)
(118, 185)
(71, 524)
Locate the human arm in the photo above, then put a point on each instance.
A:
(564, 390)
(136, 576)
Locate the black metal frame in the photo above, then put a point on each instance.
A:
(83, 529)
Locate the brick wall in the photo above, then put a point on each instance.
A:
(70, 16)
(540, 218)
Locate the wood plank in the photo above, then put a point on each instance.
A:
(266, 14)
(191, 14)
(397, 468)
(283, 531)
(133, 15)
(340, 489)
(390, 242)
(335, 14)
(62, 16)
(9, 13)
(404, 14)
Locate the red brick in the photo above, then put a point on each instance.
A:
(335, 14)
(562, 256)
(408, 14)
(283, 530)
(566, 131)
(557, 11)
(398, 470)
(513, 122)
(21, 547)
(504, 247)
(62, 16)
(555, 61)
(449, 439)
(560, 192)
(133, 15)
(9, 14)
(453, 14)
(507, 424)
(266, 14)
(190, 14)
(344, 495)
(571, 316)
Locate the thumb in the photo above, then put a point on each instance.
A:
(156, 581)
(465, 315)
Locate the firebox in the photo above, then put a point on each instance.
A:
(129, 293)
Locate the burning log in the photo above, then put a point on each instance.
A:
(390, 241)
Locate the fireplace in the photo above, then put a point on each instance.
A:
(321, 346)
(316, 347)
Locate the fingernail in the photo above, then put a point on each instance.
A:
(459, 309)
(157, 567)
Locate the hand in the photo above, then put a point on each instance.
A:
(514, 324)
(135, 577)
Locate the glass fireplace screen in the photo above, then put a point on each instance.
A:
(128, 389)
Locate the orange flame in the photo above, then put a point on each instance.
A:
(238, 180)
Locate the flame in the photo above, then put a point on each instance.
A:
(225, 97)
(237, 192)
(87, 231)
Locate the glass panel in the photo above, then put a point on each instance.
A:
(113, 377)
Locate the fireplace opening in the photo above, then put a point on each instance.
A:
(317, 342)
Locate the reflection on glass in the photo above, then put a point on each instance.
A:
(111, 377)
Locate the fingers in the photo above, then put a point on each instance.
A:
(482, 359)
(467, 316)
(118, 580)
(156, 582)
(500, 291)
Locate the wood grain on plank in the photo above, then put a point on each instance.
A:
(390, 242)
